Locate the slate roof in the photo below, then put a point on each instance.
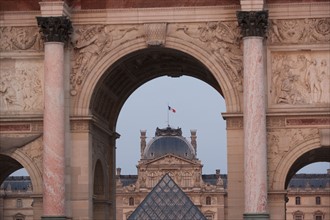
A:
(310, 180)
(17, 183)
(167, 202)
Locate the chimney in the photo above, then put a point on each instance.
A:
(118, 171)
(143, 141)
(193, 138)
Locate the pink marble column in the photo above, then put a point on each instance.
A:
(55, 32)
(54, 131)
(255, 146)
(253, 25)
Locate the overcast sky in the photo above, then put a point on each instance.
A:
(198, 106)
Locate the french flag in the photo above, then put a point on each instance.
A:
(171, 109)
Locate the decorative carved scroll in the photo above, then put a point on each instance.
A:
(300, 78)
(91, 43)
(300, 31)
(20, 38)
(155, 34)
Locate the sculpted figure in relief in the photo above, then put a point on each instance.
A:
(90, 44)
(222, 41)
(300, 79)
(20, 90)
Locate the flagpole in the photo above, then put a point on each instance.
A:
(168, 115)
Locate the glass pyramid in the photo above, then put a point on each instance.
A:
(167, 201)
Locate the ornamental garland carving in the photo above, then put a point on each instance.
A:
(20, 38)
(21, 86)
(221, 39)
(300, 78)
(90, 44)
(300, 31)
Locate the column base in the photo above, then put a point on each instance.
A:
(54, 218)
(256, 216)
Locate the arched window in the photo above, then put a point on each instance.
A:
(318, 200)
(298, 215)
(208, 200)
(318, 215)
(131, 201)
(298, 202)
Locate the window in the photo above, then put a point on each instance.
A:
(298, 215)
(186, 180)
(209, 216)
(19, 203)
(298, 202)
(208, 200)
(318, 200)
(318, 215)
(131, 201)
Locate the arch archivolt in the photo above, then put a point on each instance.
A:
(215, 44)
(285, 147)
(30, 157)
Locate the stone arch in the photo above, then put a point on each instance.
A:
(22, 161)
(303, 154)
(81, 102)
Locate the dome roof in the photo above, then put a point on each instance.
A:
(169, 141)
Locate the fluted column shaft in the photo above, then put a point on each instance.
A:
(55, 32)
(253, 25)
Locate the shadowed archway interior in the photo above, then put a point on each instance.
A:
(7, 166)
(316, 155)
(133, 70)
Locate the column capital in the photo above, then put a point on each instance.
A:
(55, 29)
(253, 23)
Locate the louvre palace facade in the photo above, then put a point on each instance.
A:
(67, 68)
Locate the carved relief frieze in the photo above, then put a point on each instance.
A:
(222, 40)
(20, 38)
(80, 126)
(300, 31)
(90, 44)
(234, 123)
(21, 87)
(300, 78)
(275, 122)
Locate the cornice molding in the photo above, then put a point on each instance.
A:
(169, 15)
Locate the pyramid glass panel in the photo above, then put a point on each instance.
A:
(167, 202)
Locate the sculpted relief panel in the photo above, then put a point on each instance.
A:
(90, 44)
(300, 78)
(21, 87)
(222, 40)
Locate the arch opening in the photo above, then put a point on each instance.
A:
(320, 154)
(136, 68)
